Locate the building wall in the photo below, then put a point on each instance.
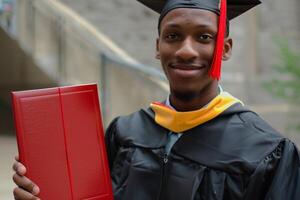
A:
(134, 29)
(17, 72)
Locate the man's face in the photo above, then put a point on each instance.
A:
(185, 48)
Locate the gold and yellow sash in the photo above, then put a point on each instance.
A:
(181, 121)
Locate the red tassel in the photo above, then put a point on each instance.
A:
(215, 70)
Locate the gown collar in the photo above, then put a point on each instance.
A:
(179, 122)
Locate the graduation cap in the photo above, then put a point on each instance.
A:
(234, 7)
(226, 9)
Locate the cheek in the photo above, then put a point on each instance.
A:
(167, 50)
(207, 51)
(166, 54)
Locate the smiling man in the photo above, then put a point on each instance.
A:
(201, 143)
(186, 49)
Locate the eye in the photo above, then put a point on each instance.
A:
(171, 36)
(205, 37)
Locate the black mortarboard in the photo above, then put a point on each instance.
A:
(234, 7)
(226, 9)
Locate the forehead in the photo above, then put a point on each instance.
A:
(190, 15)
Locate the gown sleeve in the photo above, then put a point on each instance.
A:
(110, 141)
(277, 177)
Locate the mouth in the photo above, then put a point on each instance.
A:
(186, 67)
(186, 71)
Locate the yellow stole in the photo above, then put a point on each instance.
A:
(179, 122)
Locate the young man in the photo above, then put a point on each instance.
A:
(201, 143)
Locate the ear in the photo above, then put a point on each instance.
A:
(227, 49)
(157, 56)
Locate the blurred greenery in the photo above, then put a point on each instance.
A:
(285, 81)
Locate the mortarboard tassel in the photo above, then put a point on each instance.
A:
(215, 70)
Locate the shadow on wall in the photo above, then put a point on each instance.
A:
(17, 72)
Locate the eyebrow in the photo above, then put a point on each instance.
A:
(175, 25)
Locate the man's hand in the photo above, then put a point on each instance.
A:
(26, 189)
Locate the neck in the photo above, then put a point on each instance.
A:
(198, 100)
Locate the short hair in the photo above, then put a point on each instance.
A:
(227, 27)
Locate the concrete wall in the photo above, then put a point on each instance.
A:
(134, 28)
(67, 51)
(17, 72)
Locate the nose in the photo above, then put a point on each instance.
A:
(187, 51)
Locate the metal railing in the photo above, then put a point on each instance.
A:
(71, 51)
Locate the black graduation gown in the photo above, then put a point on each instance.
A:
(234, 156)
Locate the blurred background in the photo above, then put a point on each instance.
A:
(46, 43)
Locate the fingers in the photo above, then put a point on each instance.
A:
(19, 168)
(26, 184)
(26, 189)
(24, 195)
(17, 158)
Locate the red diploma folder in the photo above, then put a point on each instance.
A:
(61, 142)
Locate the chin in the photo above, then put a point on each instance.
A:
(187, 92)
(185, 95)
